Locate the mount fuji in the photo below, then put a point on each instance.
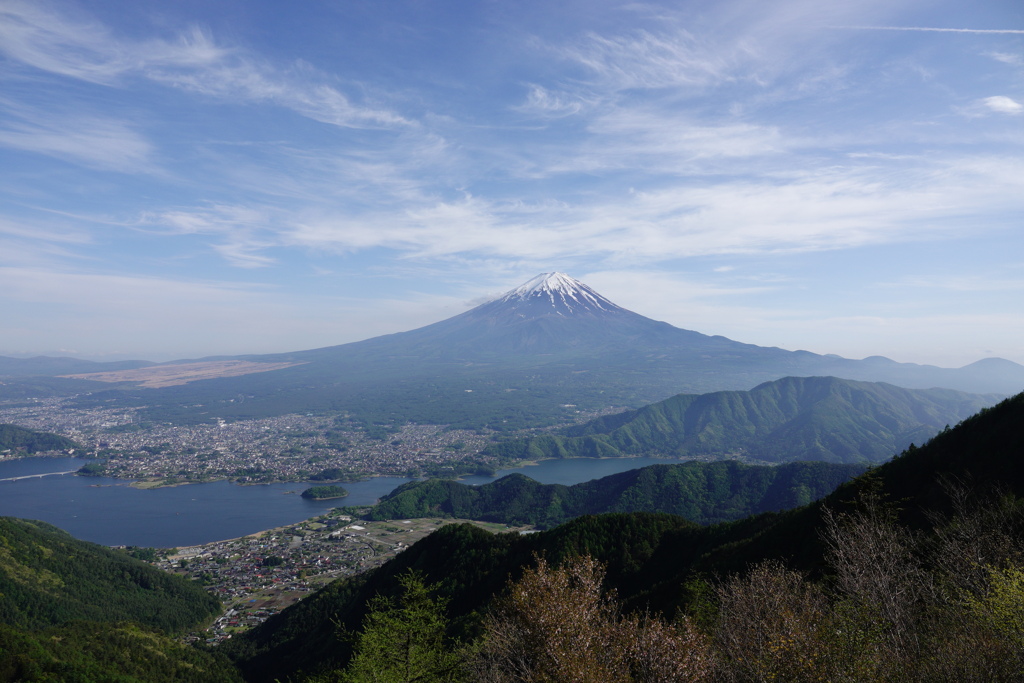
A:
(550, 345)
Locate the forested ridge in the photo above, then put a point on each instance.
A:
(89, 652)
(48, 578)
(76, 611)
(791, 419)
(21, 440)
(702, 492)
(770, 597)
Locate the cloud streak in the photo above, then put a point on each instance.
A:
(932, 29)
(39, 36)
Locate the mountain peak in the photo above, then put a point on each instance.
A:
(565, 294)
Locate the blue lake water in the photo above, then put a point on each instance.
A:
(111, 512)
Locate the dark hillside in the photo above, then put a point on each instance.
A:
(21, 440)
(705, 493)
(84, 652)
(49, 578)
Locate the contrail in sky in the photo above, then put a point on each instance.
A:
(937, 30)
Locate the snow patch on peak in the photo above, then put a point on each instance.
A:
(547, 282)
(566, 294)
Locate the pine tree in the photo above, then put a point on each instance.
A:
(404, 641)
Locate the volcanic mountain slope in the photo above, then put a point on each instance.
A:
(550, 346)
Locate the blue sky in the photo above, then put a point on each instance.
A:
(181, 179)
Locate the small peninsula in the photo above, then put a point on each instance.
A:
(324, 492)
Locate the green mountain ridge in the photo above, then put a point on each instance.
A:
(48, 578)
(794, 418)
(22, 440)
(705, 493)
(77, 612)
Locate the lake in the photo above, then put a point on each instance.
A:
(110, 512)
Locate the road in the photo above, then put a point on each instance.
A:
(33, 476)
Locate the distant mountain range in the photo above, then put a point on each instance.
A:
(533, 356)
(794, 418)
(702, 492)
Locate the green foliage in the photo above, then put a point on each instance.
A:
(702, 492)
(404, 641)
(48, 578)
(329, 474)
(21, 440)
(93, 469)
(324, 492)
(795, 418)
(85, 652)
(1002, 607)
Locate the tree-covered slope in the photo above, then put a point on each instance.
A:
(21, 440)
(652, 559)
(47, 578)
(89, 652)
(705, 493)
(794, 418)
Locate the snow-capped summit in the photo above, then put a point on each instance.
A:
(563, 294)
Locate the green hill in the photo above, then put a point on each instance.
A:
(652, 559)
(88, 652)
(48, 578)
(704, 493)
(79, 612)
(794, 418)
(21, 440)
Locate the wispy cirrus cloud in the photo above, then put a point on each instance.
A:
(647, 60)
(936, 29)
(78, 46)
(795, 212)
(37, 35)
(91, 139)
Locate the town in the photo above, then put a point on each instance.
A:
(286, 448)
(259, 575)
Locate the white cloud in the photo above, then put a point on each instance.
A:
(645, 60)
(541, 101)
(94, 141)
(1003, 104)
(37, 35)
(1008, 58)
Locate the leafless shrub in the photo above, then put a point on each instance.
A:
(556, 626)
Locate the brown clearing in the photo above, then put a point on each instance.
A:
(182, 373)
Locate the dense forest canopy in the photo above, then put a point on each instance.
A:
(21, 440)
(702, 492)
